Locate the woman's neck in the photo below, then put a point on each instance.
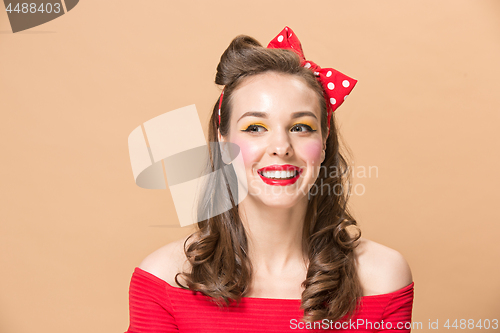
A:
(274, 235)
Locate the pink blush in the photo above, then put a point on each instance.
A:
(311, 151)
(248, 151)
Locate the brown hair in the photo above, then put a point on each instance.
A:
(220, 267)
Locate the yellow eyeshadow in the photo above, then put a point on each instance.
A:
(298, 123)
(306, 123)
(257, 124)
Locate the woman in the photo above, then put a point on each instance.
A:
(285, 257)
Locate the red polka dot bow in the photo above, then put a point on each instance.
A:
(336, 85)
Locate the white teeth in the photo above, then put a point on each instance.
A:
(279, 174)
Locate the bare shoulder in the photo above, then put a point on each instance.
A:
(381, 270)
(167, 261)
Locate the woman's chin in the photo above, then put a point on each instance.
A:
(278, 201)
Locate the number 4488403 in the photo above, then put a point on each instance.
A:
(464, 324)
(32, 8)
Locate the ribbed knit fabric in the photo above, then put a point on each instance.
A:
(158, 307)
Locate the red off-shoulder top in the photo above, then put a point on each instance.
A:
(158, 307)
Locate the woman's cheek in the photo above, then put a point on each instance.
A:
(311, 152)
(250, 152)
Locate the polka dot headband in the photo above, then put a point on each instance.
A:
(337, 86)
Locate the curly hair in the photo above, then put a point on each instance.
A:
(220, 266)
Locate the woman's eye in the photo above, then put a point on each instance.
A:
(302, 128)
(255, 129)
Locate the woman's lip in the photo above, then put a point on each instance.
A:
(284, 167)
(280, 182)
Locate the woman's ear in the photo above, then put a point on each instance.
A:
(220, 138)
(224, 149)
(323, 153)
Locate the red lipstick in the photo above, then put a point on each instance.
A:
(279, 181)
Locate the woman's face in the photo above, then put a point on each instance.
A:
(276, 122)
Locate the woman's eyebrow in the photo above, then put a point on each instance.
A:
(254, 114)
(266, 115)
(303, 114)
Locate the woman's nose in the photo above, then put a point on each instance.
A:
(279, 144)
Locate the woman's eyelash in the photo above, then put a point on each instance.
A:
(255, 126)
(309, 128)
(248, 129)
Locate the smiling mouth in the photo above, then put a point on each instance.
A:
(290, 174)
(280, 175)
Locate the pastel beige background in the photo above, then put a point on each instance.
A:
(74, 225)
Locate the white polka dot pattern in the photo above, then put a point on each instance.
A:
(336, 85)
